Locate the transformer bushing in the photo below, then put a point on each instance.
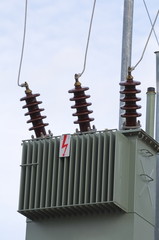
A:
(130, 100)
(81, 106)
(34, 112)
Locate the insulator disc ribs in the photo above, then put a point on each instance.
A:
(82, 112)
(34, 112)
(130, 100)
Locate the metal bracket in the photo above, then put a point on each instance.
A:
(146, 152)
(147, 177)
(29, 164)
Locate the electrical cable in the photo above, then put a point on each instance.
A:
(132, 68)
(88, 40)
(151, 21)
(23, 44)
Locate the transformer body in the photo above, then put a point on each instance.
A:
(104, 189)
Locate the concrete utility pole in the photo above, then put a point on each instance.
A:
(126, 45)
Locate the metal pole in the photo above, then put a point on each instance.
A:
(126, 45)
(157, 96)
(150, 111)
(157, 139)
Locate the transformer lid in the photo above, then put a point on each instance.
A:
(141, 134)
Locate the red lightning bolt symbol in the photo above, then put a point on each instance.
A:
(64, 145)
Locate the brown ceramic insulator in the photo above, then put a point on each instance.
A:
(35, 113)
(130, 101)
(81, 107)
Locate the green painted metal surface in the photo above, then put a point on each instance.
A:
(105, 189)
(112, 226)
(51, 185)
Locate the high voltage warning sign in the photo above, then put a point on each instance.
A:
(65, 145)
